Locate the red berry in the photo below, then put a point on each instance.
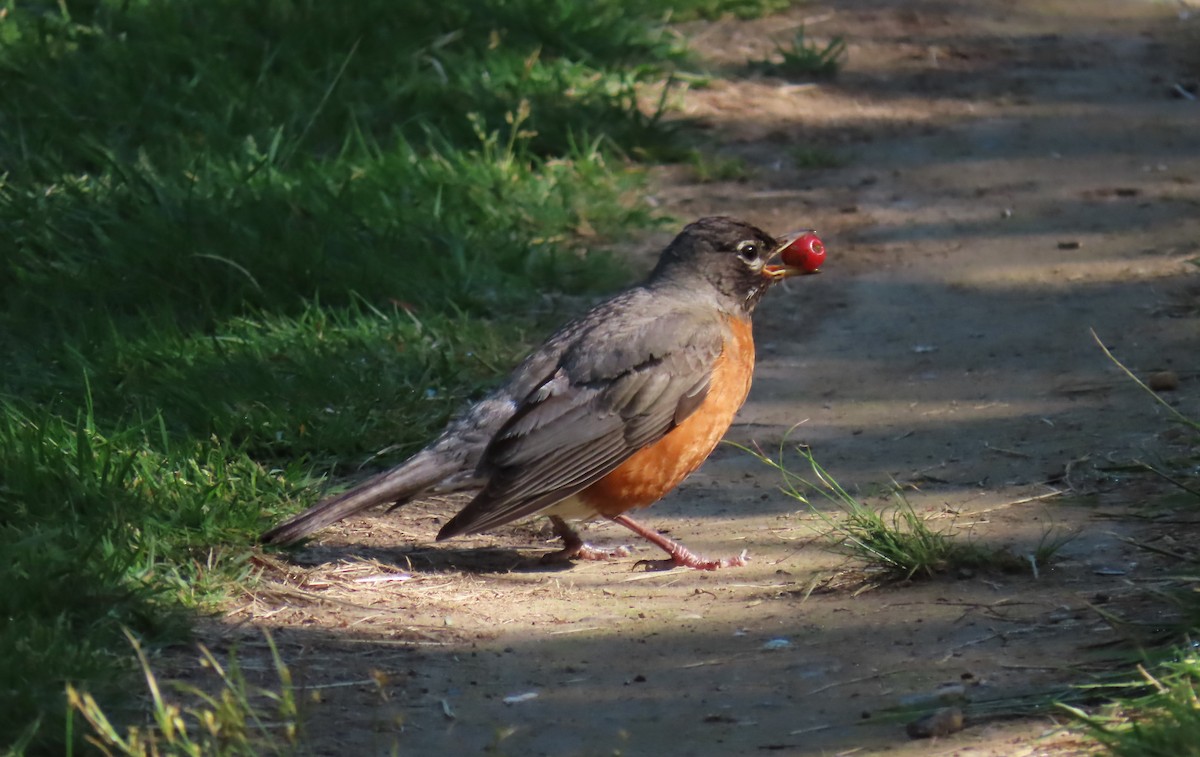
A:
(807, 252)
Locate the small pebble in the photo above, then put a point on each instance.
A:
(1163, 381)
(1070, 244)
(941, 722)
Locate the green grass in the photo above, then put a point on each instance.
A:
(815, 158)
(1155, 712)
(248, 245)
(803, 58)
(237, 719)
(1155, 715)
(708, 167)
(896, 539)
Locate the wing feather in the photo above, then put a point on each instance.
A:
(598, 406)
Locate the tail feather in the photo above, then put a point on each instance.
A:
(395, 486)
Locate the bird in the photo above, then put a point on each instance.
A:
(611, 413)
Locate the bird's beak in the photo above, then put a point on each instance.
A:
(780, 271)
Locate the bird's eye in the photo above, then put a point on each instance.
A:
(748, 251)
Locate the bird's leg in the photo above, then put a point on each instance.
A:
(575, 548)
(680, 555)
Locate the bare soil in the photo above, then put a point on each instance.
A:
(1012, 175)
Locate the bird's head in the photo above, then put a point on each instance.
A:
(738, 260)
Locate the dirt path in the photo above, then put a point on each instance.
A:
(1014, 175)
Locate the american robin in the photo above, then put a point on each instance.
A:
(610, 414)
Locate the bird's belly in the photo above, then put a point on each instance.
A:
(656, 469)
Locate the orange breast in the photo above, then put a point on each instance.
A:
(653, 471)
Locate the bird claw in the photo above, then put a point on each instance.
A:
(679, 554)
(575, 548)
(686, 559)
(584, 551)
(600, 553)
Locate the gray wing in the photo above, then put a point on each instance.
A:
(612, 393)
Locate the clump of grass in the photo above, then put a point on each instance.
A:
(897, 539)
(708, 167)
(900, 541)
(1160, 717)
(1157, 712)
(815, 158)
(805, 58)
(109, 529)
(230, 722)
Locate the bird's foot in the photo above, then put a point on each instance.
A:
(680, 555)
(687, 559)
(584, 551)
(575, 548)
